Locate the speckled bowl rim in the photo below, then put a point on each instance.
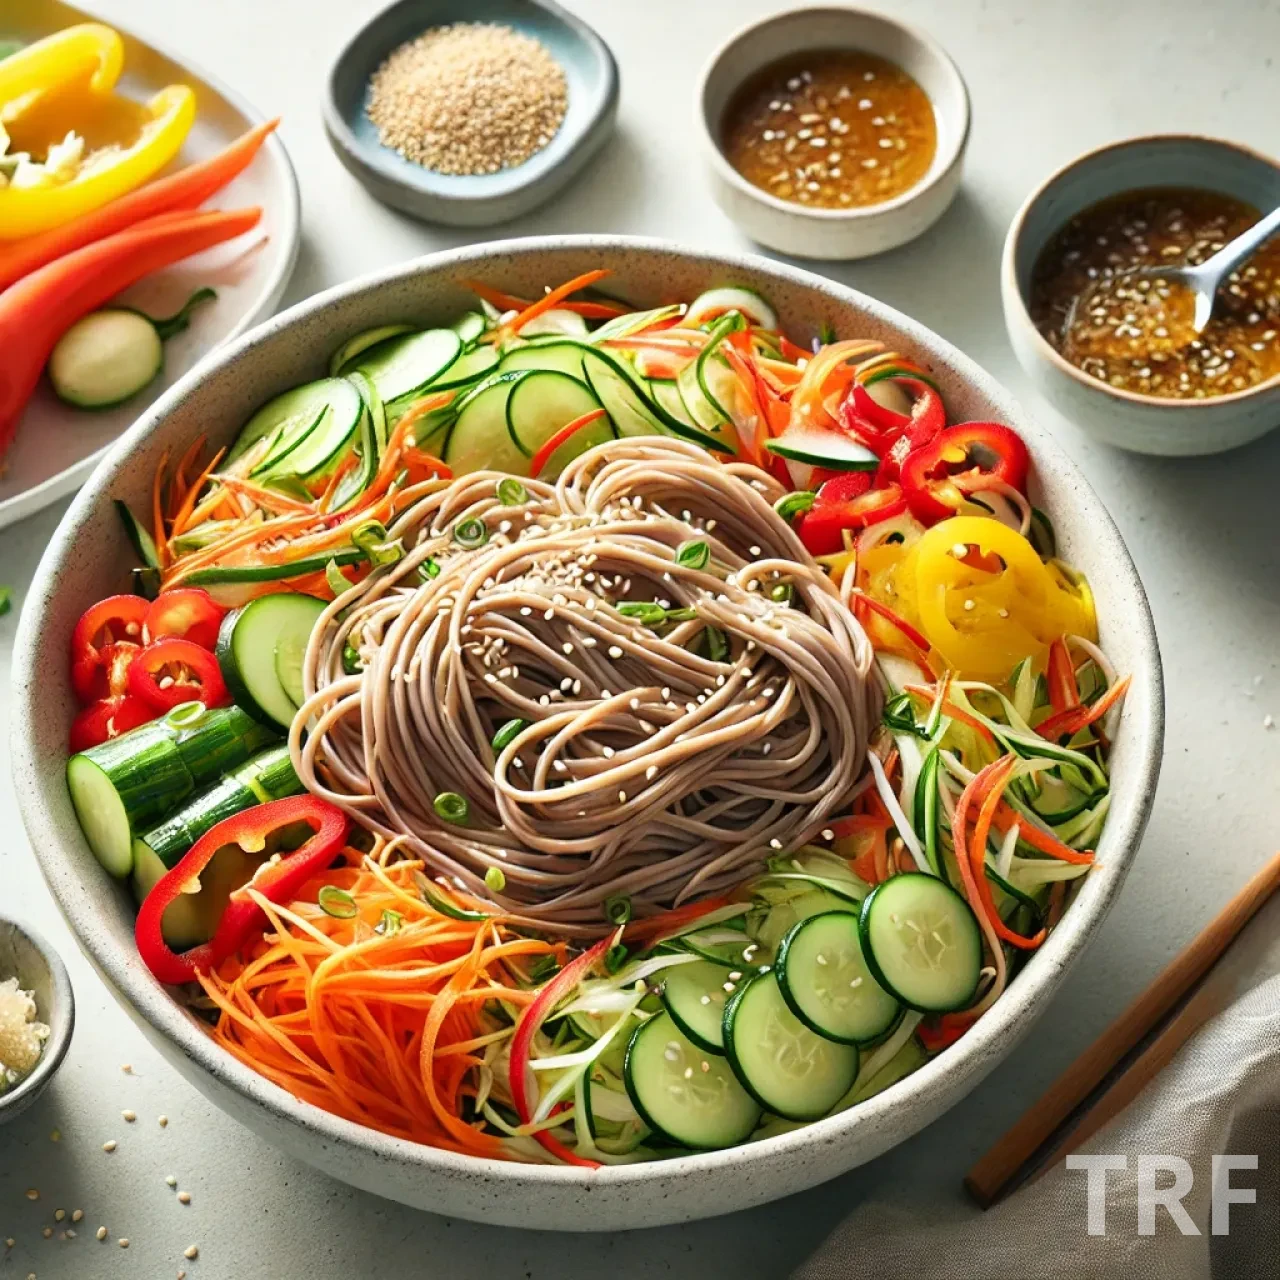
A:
(968, 1060)
(60, 1020)
(942, 164)
(1012, 289)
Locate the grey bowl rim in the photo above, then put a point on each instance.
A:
(1044, 973)
(862, 213)
(356, 157)
(1013, 290)
(60, 1020)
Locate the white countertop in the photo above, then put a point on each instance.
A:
(1047, 81)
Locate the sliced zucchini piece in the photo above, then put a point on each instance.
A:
(105, 358)
(787, 1067)
(347, 354)
(480, 439)
(403, 366)
(826, 983)
(248, 643)
(922, 942)
(689, 1096)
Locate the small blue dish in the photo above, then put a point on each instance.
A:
(482, 199)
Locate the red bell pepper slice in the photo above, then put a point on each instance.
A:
(190, 672)
(880, 428)
(108, 718)
(532, 1018)
(189, 613)
(115, 620)
(846, 501)
(936, 477)
(277, 881)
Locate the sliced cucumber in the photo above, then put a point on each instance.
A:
(346, 355)
(248, 643)
(480, 439)
(558, 320)
(716, 302)
(183, 924)
(469, 326)
(544, 401)
(788, 1068)
(826, 982)
(562, 355)
(404, 366)
(694, 995)
(783, 916)
(105, 358)
(468, 367)
(365, 446)
(691, 1097)
(922, 942)
(666, 394)
(823, 449)
(291, 646)
(286, 423)
(729, 948)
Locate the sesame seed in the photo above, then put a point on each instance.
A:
(101, 1233)
(190, 1251)
(130, 1116)
(184, 1197)
(109, 1146)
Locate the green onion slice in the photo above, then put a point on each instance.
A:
(429, 569)
(390, 923)
(511, 493)
(451, 807)
(351, 663)
(644, 612)
(186, 715)
(782, 592)
(495, 880)
(336, 578)
(615, 958)
(471, 533)
(508, 734)
(791, 505)
(617, 908)
(693, 555)
(371, 538)
(336, 902)
(717, 644)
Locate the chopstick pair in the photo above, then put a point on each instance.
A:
(1108, 1075)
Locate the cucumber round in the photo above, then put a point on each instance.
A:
(290, 417)
(248, 643)
(559, 321)
(469, 326)
(715, 302)
(317, 451)
(350, 350)
(819, 448)
(468, 367)
(690, 1097)
(922, 942)
(105, 358)
(480, 439)
(544, 401)
(406, 365)
(291, 646)
(694, 995)
(787, 1067)
(825, 980)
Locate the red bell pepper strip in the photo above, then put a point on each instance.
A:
(822, 527)
(106, 718)
(1070, 722)
(277, 881)
(570, 429)
(1064, 692)
(532, 1018)
(940, 1033)
(189, 613)
(191, 672)
(95, 664)
(932, 475)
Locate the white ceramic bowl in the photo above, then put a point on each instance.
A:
(87, 558)
(1145, 424)
(835, 233)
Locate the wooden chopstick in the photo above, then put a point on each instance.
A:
(1010, 1158)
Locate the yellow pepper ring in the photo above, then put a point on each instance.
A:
(92, 54)
(983, 622)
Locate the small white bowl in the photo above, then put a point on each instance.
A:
(1144, 424)
(835, 233)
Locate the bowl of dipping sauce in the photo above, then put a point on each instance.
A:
(1118, 355)
(833, 133)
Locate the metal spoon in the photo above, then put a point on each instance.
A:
(1203, 281)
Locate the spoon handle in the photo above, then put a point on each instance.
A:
(1230, 256)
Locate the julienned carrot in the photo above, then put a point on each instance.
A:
(185, 190)
(553, 299)
(543, 456)
(1072, 720)
(41, 307)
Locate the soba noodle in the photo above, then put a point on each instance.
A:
(667, 750)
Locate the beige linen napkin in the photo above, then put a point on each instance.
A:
(1220, 1095)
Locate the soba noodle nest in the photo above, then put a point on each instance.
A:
(664, 760)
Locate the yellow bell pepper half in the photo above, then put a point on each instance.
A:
(65, 84)
(981, 613)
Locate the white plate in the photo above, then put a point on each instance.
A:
(57, 446)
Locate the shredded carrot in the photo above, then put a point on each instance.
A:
(551, 300)
(157, 510)
(1071, 721)
(998, 778)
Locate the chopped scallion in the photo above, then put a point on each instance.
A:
(511, 493)
(693, 555)
(791, 505)
(390, 923)
(615, 958)
(471, 533)
(781, 592)
(644, 612)
(495, 880)
(336, 579)
(186, 715)
(336, 902)
(508, 734)
(717, 644)
(351, 663)
(617, 908)
(371, 538)
(429, 569)
(451, 807)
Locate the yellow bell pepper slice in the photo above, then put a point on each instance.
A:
(985, 617)
(65, 83)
